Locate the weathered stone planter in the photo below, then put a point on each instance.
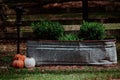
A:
(95, 52)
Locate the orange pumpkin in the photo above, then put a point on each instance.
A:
(18, 63)
(19, 56)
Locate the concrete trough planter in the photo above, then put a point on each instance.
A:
(89, 52)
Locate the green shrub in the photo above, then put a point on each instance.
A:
(68, 37)
(47, 30)
(91, 31)
(110, 37)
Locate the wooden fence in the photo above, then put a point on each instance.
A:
(66, 13)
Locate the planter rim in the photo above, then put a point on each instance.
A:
(105, 40)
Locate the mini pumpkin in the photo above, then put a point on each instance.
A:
(29, 62)
(19, 56)
(18, 63)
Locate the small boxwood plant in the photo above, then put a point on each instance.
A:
(47, 30)
(91, 31)
(68, 37)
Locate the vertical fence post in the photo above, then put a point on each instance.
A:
(19, 11)
(85, 10)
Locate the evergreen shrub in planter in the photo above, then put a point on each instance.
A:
(88, 47)
(68, 37)
(47, 30)
(92, 31)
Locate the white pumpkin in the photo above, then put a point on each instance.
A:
(29, 62)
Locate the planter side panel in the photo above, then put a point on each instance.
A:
(72, 52)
